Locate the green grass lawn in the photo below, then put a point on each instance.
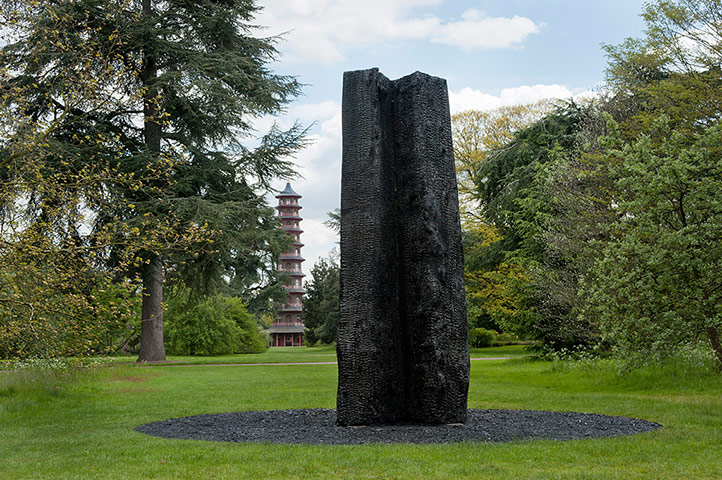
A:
(306, 355)
(272, 355)
(84, 429)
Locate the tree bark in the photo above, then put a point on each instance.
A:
(714, 340)
(151, 333)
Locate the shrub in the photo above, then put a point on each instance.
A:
(212, 326)
(506, 339)
(252, 338)
(481, 337)
(46, 313)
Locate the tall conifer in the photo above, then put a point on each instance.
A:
(169, 92)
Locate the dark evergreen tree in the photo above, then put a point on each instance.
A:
(541, 192)
(506, 182)
(177, 86)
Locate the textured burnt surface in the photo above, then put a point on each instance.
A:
(402, 336)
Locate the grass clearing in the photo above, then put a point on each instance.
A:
(304, 355)
(272, 355)
(85, 429)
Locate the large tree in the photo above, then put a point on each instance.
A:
(491, 281)
(55, 297)
(505, 251)
(188, 78)
(576, 193)
(657, 285)
(654, 288)
(675, 69)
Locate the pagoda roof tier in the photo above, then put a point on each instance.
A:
(292, 257)
(295, 290)
(298, 244)
(286, 328)
(293, 273)
(292, 229)
(293, 206)
(290, 308)
(288, 192)
(290, 217)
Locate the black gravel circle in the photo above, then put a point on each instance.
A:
(318, 427)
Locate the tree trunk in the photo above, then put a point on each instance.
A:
(714, 340)
(151, 333)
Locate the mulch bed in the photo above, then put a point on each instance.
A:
(318, 427)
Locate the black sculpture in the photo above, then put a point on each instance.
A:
(402, 334)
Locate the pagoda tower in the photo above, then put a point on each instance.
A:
(287, 329)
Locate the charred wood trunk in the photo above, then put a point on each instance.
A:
(402, 335)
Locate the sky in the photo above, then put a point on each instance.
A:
(492, 53)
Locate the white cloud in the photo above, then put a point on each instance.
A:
(311, 112)
(476, 30)
(320, 163)
(469, 99)
(319, 167)
(318, 242)
(319, 30)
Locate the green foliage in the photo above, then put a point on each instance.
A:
(484, 338)
(580, 193)
(211, 326)
(520, 278)
(320, 304)
(504, 339)
(334, 220)
(124, 132)
(674, 70)
(506, 185)
(615, 230)
(652, 291)
(657, 286)
(492, 282)
(481, 337)
(492, 286)
(53, 305)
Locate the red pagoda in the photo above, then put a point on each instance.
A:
(287, 329)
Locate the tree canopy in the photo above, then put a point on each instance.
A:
(128, 121)
(609, 210)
